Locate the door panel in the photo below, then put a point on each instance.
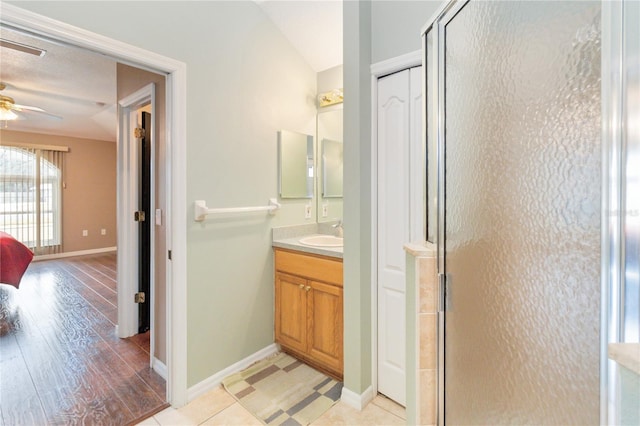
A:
(144, 246)
(394, 133)
(393, 351)
(291, 310)
(325, 324)
(522, 213)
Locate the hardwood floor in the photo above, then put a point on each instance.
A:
(60, 359)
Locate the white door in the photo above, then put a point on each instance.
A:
(399, 125)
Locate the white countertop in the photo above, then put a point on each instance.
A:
(294, 243)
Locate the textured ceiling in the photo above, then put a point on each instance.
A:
(78, 85)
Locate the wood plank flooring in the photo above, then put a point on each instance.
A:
(60, 359)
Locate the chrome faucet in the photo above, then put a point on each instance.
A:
(339, 228)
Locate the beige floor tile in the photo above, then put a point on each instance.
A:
(236, 414)
(198, 410)
(391, 406)
(151, 421)
(342, 414)
(173, 417)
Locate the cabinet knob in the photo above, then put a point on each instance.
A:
(307, 288)
(301, 286)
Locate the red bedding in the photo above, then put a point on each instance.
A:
(14, 259)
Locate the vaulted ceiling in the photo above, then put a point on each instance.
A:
(80, 86)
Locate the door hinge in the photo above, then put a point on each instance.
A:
(139, 297)
(139, 133)
(139, 216)
(442, 292)
(169, 254)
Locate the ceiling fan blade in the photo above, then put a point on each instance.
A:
(35, 110)
(29, 108)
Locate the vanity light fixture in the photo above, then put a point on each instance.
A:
(335, 96)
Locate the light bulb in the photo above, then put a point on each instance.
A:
(7, 114)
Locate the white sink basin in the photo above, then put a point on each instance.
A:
(322, 241)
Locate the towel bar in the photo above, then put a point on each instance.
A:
(201, 210)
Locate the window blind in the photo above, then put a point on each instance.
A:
(31, 196)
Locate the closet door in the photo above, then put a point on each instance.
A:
(398, 124)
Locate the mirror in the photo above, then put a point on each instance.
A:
(330, 170)
(295, 165)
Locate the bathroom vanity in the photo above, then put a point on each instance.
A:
(309, 306)
(308, 258)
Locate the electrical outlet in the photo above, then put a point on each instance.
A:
(85, 233)
(307, 211)
(103, 231)
(325, 210)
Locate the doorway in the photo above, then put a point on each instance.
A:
(142, 234)
(20, 19)
(145, 189)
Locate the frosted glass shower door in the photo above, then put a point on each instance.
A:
(522, 183)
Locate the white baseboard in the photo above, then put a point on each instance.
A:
(160, 368)
(356, 400)
(215, 380)
(74, 253)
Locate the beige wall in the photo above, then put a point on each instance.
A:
(129, 80)
(89, 196)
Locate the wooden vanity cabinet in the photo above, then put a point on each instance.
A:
(309, 309)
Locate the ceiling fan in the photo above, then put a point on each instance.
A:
(9, 110)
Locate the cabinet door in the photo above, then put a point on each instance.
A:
(291, 311)
(325, 325)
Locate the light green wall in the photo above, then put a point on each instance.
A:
(331, 78)
(244, 83)
(357, 196)
(373, 31)
(330, 123)
(396, 26)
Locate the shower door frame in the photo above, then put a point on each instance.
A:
(620, 141)
(613, 88)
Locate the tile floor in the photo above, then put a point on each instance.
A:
(219, 408)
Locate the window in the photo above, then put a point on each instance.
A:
(31, 196)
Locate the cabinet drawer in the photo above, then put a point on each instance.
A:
(309, 266)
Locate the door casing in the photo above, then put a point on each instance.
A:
(128, 202)
(176, 216)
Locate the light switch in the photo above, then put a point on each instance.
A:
(307, 211)
(325, 210)
(158, 217)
